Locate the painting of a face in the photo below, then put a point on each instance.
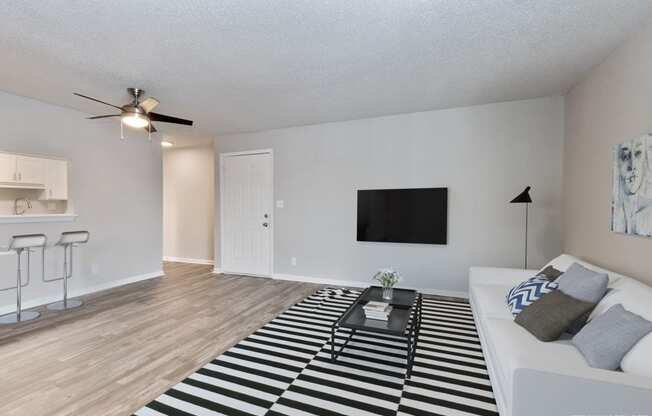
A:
(631, 181)
(631, 164)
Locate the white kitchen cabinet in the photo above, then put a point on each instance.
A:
(8, 168)
(56, 180)
(31, 170)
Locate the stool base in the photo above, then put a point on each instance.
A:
(70, 304)
(12, 318)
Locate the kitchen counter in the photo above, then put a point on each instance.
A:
(32, 218)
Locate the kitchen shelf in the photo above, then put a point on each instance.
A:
(20, 186)
(33, 218)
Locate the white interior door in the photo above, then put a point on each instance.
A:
(246, 208)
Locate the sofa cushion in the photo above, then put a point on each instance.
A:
(548, 318)
(514, 348)
(489, 301)
(606, 339)
(524, 294)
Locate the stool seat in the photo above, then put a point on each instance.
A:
(18, 242)
(73, 237)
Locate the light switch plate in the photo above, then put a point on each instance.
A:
(280, 204)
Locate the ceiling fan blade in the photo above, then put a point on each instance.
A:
(169, 119)
(108, 115)
(147, 128)
(96, 100)
(149, 104)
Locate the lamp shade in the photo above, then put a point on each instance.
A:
(523, 197)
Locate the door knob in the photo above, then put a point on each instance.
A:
(265, 224)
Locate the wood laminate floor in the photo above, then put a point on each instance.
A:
(128, 345)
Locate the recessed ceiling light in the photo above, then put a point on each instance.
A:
(167, 143)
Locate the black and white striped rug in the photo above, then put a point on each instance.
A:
(284, 368)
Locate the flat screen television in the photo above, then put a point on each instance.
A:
(403, 215)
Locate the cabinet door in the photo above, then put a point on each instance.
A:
(31, 170)
(7, 168)
(57, 187)
(56, 181)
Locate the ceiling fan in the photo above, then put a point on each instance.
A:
(138, 114)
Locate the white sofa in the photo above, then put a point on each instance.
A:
(533, 378)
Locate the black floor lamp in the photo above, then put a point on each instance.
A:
(524, 198)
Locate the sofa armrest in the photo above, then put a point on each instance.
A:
(498, 276)
(544, 393)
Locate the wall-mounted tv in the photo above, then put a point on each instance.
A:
(403, 215)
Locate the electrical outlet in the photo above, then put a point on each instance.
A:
(293, 260)
(52, 206)
(280, 204)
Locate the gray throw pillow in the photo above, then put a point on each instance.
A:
(550, 273)
(548, 317)
(607, 338)
(583, 284)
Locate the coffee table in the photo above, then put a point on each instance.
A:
(404, 320)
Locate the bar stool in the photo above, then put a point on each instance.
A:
(20, 243)
(68, 240)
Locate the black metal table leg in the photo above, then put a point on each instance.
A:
(333, 342)
(334, 354)
(413, 336)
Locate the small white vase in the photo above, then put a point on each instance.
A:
(388, 293)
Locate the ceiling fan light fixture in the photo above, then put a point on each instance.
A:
(167, 143)
(135, 120)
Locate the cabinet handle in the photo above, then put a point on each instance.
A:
(20, 176)
(50, 193)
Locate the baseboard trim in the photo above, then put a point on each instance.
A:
(186, 260)
(32, 303)
(361, 284)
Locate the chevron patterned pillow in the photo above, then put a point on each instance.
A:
(524, 294)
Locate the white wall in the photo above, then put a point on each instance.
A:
(611, 105)
(115, 188)
(485, 155)
(188, 203)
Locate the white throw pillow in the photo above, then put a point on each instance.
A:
(637, 360)
(632, 294)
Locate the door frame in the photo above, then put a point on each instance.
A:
(272, 214)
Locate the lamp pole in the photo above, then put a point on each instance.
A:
(526, 221)
(524, 198)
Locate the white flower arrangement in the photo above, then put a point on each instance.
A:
(387, 278)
